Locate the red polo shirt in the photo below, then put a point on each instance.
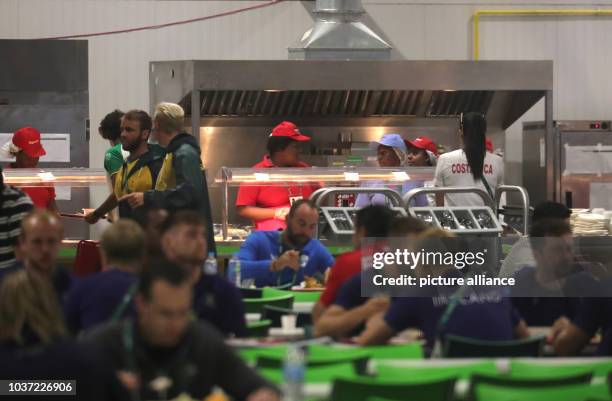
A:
(272, 196)
(346, 266)
(42, 194)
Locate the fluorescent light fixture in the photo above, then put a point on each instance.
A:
(400, 176)
(262, 177)
(351, 176)
(46, 176)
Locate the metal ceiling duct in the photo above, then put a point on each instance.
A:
(339, 33)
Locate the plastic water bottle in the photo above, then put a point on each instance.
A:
(293, 372)
(233, 271)
(210, 265)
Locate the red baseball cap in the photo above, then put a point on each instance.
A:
(28, 140)
(424, 143)
(489, 145)
(288, 129)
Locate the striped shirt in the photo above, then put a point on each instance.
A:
(14, 205)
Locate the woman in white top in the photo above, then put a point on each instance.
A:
(469, 166)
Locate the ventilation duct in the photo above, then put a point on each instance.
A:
(339, 33)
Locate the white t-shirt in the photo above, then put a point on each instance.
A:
(453, 170)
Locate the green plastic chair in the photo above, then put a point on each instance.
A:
(464, 347)
(492, 384)
(314, 374)
(575, 392)
(318, 355)
(543, 370)
(403, 351)
(437, 372)
(364, 388)
(300, 296)
(255, 305)
(249, 355)
(258, 329)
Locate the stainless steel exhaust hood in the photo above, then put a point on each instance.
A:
(245, 92)
(339, 33)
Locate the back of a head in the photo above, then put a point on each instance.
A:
(474, 128)
(549, 227)
(375, 220)
(169, 117)
(124, 243)
(406, 225)
(29, 310)
(550, 210)
(110, 126)
(182, 217)
(161, 270)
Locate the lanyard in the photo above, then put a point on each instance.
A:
(125, 176)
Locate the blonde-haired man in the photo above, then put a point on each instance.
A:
(181, 183)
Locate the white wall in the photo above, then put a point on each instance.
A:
(418, 29)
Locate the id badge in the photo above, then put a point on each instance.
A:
(293, 199)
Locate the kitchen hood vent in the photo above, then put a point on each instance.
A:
(341, 103)
(339, 33)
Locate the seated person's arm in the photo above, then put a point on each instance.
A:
(256, 213)
(377, 331)
(521, 330)
(317, 311)
(338, 321)
(567, 338)
(251, 267)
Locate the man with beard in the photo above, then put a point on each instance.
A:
(216, 300)
(139, 172)
(277, 258)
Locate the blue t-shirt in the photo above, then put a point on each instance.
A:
(595, 313)
(94, 299)
(484, 314)
(349, 296)
(219, 302)
(540, 306)
(261, 246)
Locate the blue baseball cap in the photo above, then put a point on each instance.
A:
(393, 140)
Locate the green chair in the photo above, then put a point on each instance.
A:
(318, 355)
(258, 329)
(255, 305)
(543, 370)
(482, 385)
(364, 388)
(438, 372)
(300, 296)
(403, 351)
(314, 374)
(571, 392)
(464, 347)
(274, 313)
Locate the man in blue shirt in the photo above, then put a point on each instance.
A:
(275, 258)
(216, 300)
(108, 294)
(555, 287)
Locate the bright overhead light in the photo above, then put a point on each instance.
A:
(274, 90)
